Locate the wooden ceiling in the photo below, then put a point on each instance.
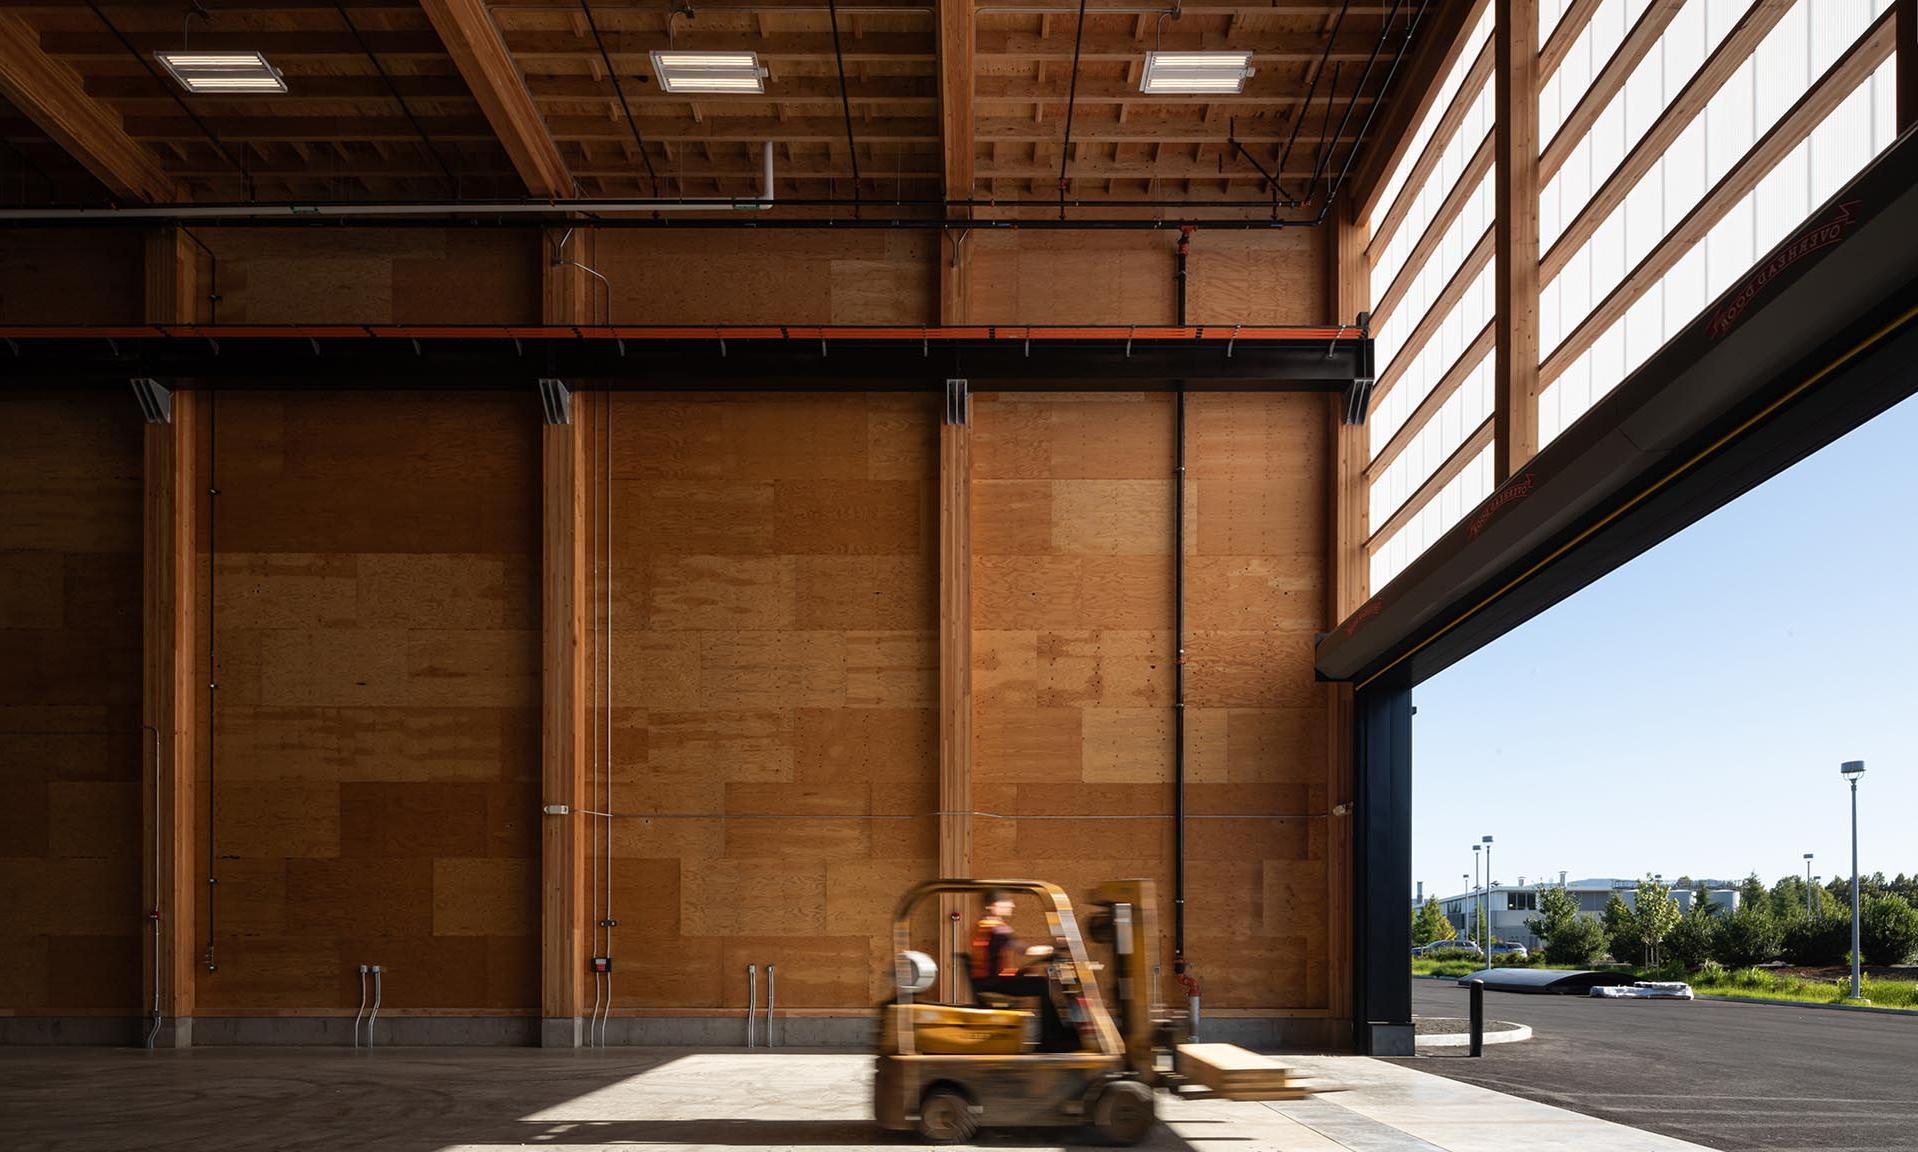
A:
(440, 99)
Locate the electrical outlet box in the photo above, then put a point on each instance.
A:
(602, 963)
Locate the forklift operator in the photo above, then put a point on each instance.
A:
(997, 967)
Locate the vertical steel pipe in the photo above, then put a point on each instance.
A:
(771, 995)
(752, 1000)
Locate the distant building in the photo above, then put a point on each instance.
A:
(1511, 905)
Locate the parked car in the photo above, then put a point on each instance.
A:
(1510, 952)
(1441, 948)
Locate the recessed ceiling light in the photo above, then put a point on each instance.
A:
(220, 72)
(718, 72)
(1195, 73)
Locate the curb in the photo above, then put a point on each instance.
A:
(1464, 1039)
(1874, 1009)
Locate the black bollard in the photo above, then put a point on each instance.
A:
(1478, 1017)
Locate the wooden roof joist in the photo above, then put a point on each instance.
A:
(52, 96)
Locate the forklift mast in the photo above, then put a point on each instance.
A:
(1126, 919)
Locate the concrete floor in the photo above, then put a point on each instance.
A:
(467, 1100)
(1730, 1076)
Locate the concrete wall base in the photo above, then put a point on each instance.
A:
(97, 1031)
(850, 1032)
(1277, 1032)
(388, 1032)
(721, 1032)
(561, 1032)
(1390, 1040)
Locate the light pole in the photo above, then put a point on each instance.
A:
(1478, 917)
(1808, 912)
(1464, 921)
(1487, 841)
(1852, 770)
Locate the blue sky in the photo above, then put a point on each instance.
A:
(1687, 714)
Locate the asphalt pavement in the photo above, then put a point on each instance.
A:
(1729, 1076)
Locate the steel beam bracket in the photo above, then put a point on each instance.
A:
(958, 402)
(556, 400)
(156, 399)
(1358, 394)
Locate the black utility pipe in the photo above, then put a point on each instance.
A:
(213, 670)
(619, 90)
(845, 102)
(1306, 105)
(1332, 142)
(1178, 644)
(907, 223)
(1072, 100)
(433, 149)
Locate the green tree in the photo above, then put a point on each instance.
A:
(1749, 936)
(1621, 929)
(1818, 941)
(1694, 939)
(1654, 914)
(1788, 899)
(1887, 929)
(1430, 925)
(1906, 886)
(1753, 891)
(1556, 909)
(1579, 943)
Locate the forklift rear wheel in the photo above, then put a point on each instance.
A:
(945, 1117)
(1124, 1113)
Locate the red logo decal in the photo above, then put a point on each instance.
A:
(1813, 239)
(1516, 489)
(1372, 608)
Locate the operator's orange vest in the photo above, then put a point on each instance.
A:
(982, 948)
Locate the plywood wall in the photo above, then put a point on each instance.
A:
(773, 688)
(375, 617)
(1073, 657)
(65, 276)
(859, 276)
(1257, 277)
(71, 926)
(374, 275)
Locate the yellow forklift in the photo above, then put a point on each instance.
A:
(948, 1069)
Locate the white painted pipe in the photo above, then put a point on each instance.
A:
(770, 993)
(361, 1014)
(1192, 1015)
(606, 1017)
(752, 1000)
(459, 208)
(374, 1017)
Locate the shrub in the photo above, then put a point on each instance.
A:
(1748, 937)
(1694, 940)
(1888, 930)
(1579, 943)
(1817, 943)
(1711, 972)
(1621, 931)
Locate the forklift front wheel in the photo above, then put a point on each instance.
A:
(1124, 1112)
(945, 1117)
